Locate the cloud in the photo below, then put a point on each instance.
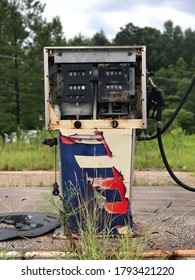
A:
(111, 6)
(90, 16)
(129, 5)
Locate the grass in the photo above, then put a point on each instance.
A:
(146, 181)
(9, 255)
(26, 157)
(21, 156)
(180, 151)
(92, 245)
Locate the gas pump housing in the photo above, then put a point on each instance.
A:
(88, 87)
(95, 97)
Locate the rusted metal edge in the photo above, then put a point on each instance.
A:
(169, 254)
(56, 254)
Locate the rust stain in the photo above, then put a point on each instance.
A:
(170, 254)
(115, 96)
(152, 254)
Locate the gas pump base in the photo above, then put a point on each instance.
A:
(95, 175)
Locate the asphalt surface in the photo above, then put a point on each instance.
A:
(24, 199)
(168, 215)
(165, 214)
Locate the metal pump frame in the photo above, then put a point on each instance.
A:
(97, 149)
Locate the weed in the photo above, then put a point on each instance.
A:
(94, 243)
(180, 151)
(9, 255)
(146, 181)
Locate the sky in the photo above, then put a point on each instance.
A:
(90, 16)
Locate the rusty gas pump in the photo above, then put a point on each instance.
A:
(95, 99)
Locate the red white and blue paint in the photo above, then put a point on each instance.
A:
(90, 176)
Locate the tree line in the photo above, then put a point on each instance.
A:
(24, 32)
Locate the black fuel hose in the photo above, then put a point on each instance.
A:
(151, 137)
(181, 184)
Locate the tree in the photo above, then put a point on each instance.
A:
(175, 81)
(147, 36)
(79, 40)
(44, 34)
(189, 47)
(13, 36)
(183, 120)
(99, 39)
(172, 43)
(23, 34)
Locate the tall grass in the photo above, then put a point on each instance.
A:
(27, 155)
(92, 244)
(180, 151)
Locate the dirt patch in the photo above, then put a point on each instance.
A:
(47, 178)
(27, 178)
(162, 178)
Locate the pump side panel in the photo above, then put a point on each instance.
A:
(95, 172)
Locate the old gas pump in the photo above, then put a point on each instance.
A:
(95, 98)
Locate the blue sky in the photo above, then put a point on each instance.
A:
(90, 16)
